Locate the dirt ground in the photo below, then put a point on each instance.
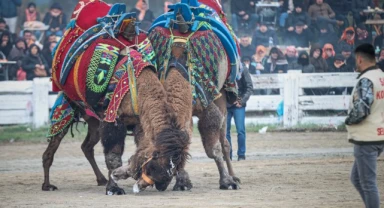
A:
(281, 170)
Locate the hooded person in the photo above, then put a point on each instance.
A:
(329, 53)
(362, 35)
(347, 38)
(326, 36)
(56, 20)
(6, 43)
(300, 37)
(17, 54)
(303, 62)
(276, 62)
(316, 59)
(34, 63)
(349, 59)
(259, 58)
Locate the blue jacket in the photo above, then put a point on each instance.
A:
(8, 8)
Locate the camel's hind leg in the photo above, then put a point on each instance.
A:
(112, 137)
(212, 129)
(93, 137)
(48, 158)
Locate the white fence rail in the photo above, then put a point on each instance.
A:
(29, 102)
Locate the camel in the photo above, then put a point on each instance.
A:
(176, 76)
(155, 117)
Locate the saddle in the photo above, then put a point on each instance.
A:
(93, 62)
(200, 17)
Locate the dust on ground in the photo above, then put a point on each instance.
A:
(281, 170)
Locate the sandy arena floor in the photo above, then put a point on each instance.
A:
(281, 170)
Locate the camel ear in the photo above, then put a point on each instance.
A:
(155, 155)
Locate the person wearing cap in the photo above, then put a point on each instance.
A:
(346, 51)
(237, 110)
(322, 12)
(262, 34)
(365, 125)
(300, 37)
(298, 15)
(338, 65)
(56, 20)
(8, 11)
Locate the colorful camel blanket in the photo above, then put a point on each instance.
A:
(204, 54)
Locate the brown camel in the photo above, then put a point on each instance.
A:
(212, 126)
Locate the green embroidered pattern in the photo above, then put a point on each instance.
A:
(101, 67)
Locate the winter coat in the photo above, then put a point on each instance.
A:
(328, 37)
(245, 87)
(242, 5)
(29, 64)
(8, 8)
(7, 48)
(320, 64)
(300, 40)
(247, 50)
(304, 65)
(260, 38)
(360, 5)
(292, 63)
(332, 69)
(54, 22)
(281, 66)
(322, 10)
(295, 17)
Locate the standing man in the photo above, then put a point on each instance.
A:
(8, 10)
(365, 124)
(237, 111)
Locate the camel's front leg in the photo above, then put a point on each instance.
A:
(211, 125)
(112, 137)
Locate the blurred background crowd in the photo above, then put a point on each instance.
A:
(275, 36)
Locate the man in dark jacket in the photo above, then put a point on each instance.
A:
(358, 6)
(326, 36)
(349, 60)
(246, 47)
(237, 111)
(300, 37)
(262, 35)
(243, 12)
(299, 15)
(322, 12)
(56, 19)
(8, 10)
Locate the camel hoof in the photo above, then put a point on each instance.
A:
(230, 182)
(115, 191)
(48, 187)
(183, 185)
(236, 179)
(102, 182)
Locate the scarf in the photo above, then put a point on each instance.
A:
(344, 36)
(30, 16)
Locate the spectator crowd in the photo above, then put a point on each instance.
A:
(307, 35)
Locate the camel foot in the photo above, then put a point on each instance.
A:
(102, 181)
(48, 187)
(115, 191)
(229, 182)
(183, 184)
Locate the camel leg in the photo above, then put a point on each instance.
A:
(221, 103)
(211, 123)
(48, 159)
(88, 145)
(112, 137)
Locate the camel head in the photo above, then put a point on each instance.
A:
(170, 155)
(128, 29)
